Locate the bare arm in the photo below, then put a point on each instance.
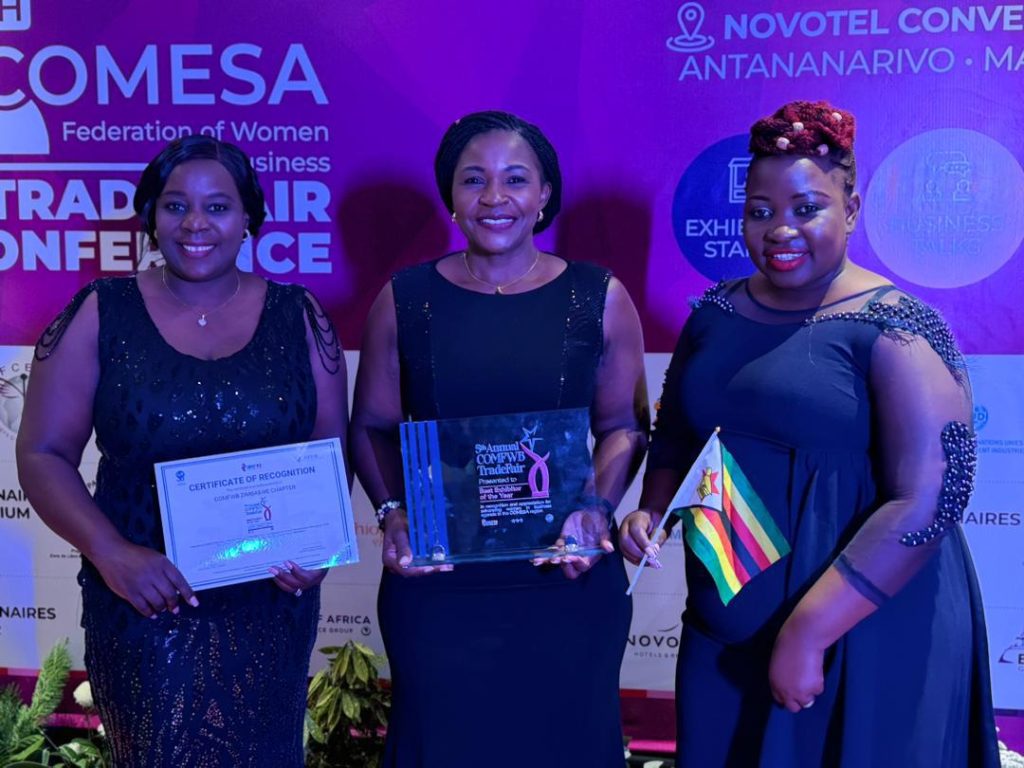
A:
(373, 435)
(55, 428)
(619, 416)
(667, 464)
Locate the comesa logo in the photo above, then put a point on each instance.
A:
(22, 128)
(707, 210)
(690, 18)
(980, 417)
(61, 75)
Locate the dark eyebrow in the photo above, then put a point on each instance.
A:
(178, 193)
(506, 169)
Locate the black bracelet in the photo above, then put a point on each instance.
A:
(597, 501)
(384, 508)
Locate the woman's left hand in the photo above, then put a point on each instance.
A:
(588, 528)
(292, 578)
(796, 672)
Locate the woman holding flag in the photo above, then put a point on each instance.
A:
(833, 615)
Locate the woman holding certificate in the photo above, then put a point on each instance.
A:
(190, 359)
(506, 663)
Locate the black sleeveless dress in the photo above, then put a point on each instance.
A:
(503, 664)
(223, 684)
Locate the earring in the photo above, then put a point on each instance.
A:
(245, 235)
(455, 216)
(540, 217)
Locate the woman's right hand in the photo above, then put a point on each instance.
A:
(635, 538)
(396, 552)
(143, 577)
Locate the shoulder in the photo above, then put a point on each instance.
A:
(81, 315)
(902, 317)
(589, 272)
(416, 274)
(717, 296)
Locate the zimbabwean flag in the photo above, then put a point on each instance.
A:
(727, 525)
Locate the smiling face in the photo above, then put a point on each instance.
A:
(200, 221)
(796, 222)
(498, 192)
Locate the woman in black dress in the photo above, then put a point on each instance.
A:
(506, 664)
(190, 359)
(847, 405)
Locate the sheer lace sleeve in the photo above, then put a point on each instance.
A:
(54, 332)
(925, 450)
(325, 336)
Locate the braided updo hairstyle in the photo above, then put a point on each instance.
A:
(808, 129)
(465, 129)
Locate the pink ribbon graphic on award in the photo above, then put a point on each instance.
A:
(538, 478)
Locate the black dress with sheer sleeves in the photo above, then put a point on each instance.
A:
(223, 684)
(792, 394)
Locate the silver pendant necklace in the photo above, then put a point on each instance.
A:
(202, 322)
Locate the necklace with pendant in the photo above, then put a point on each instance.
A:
(498, 289)
(202, 322)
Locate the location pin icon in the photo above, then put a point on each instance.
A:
(690, 17)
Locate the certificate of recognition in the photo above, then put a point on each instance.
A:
(228, 518)
(494, 487)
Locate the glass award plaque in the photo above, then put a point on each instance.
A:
(496, 487)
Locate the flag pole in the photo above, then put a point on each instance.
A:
(664, 517)
(646, 557)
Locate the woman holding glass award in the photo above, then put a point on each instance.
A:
(190, 359)
(507, 663)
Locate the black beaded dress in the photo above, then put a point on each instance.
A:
(223, 684)
(503, 665)
(791, 392)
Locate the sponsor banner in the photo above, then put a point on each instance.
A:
(1006, 652)
(35, 614)
(347, 612)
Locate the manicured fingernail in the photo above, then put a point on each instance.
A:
(152, 616)
(273, 570)
(193, 601)
(175, 610)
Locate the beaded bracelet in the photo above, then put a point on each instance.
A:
(384, 508)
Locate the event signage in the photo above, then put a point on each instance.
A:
(230, 517)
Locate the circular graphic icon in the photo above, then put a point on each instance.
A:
(980, 417)
(946, 208)
(707, 210)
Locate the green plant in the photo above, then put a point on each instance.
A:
(347, 710)
(23, 742)
(21, 725)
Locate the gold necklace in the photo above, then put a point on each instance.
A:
(498, 289)
(203, 313)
